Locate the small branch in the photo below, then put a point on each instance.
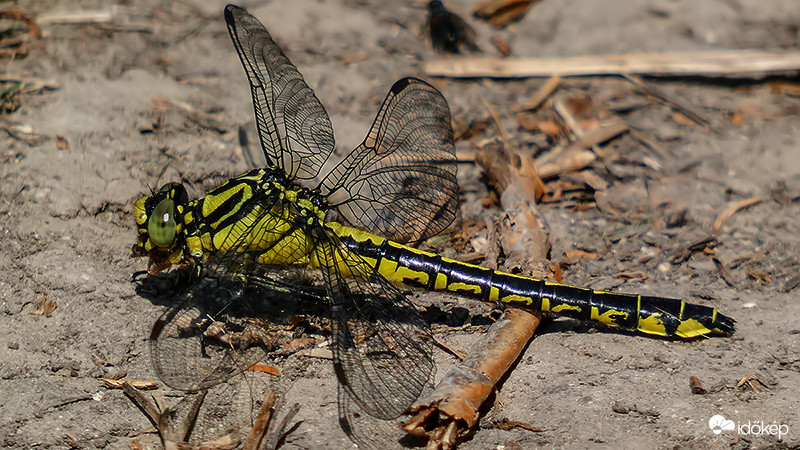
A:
(453, 407)
(574, 156)
(725, 215)
(737, 63)
(541, 95)
(76, 17)
(30, 81)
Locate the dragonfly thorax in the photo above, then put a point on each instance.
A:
(259, 214)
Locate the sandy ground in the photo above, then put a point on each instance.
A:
(66, 222)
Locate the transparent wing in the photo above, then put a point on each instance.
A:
(382, 346)
(401, 181)
(243, 305)
(295, 131)
(218, 329)
(367, 431)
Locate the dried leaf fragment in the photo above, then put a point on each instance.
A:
(759, 275)
(263, 368)
(502, 12)
(753, 383)
(631, 275)
(791, 283)
(61, 142)
(43, 307)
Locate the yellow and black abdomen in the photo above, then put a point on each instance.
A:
(647, 314)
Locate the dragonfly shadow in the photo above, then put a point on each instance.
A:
(291, 293)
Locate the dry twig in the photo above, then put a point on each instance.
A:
(722, 218)
(142, 385)
(172, 433)
(724, 272)
(739, 63)
(547, 89)
(261, 424)
(453, 407)
(575, 156)
(705, 244)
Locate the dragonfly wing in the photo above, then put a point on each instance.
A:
(209, 337)
(227, 317)
(294, 128)
(367, 431)
(219, 326)
(401, 181)
(382, 346)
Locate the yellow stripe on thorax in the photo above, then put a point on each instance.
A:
(270, 232)
(212, 202)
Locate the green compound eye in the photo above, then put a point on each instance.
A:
(161, 226)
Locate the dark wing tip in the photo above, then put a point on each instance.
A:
(401, 84)
(231, 11)
(405, 82)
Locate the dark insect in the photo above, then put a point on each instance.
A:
(448, 32)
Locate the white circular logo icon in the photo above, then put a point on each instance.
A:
(718, 424)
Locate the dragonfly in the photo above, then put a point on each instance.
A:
(305, 235)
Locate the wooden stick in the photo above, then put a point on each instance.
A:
(573, 157)
(739, 63)
(76, 17)
(172, 433)
(454, 405)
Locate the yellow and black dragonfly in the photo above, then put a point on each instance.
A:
(248, 246)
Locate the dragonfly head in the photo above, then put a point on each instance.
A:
(159, 221)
